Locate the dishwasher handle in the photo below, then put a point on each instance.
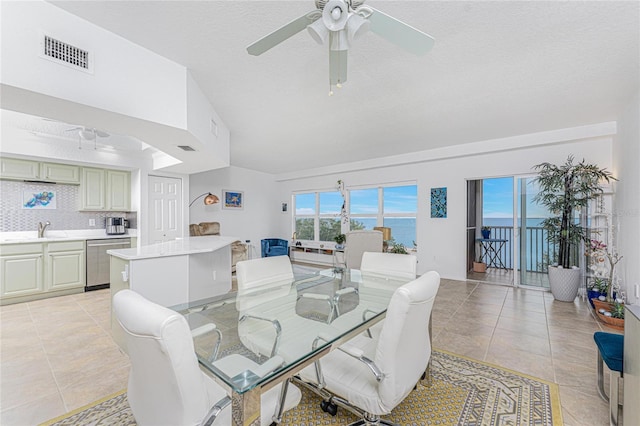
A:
(106, 244)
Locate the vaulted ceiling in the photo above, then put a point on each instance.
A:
(497, 69)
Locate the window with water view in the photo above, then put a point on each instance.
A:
(317, 214)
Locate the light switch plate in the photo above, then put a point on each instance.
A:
(92, 222)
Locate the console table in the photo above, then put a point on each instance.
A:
(312, 252)
(490, 252)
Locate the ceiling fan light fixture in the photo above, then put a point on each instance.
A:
(87, 134)
(338, 40)
(335, 15)
(357, 26)
(318, 31)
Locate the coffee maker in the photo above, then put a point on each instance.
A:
(115, 226)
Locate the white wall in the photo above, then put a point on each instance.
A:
(261, 215)
(125, 79)
(626, 213)
(442, 242)
(130, 90)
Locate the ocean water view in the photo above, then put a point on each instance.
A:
(507, 221)
(403, 229)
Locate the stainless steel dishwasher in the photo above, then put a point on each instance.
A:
(98, 261)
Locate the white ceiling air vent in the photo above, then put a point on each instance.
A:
(185, 148)
(65, 53)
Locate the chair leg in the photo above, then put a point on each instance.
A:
(601, 391)
(372, 420)
(277, 416)
(613, 397)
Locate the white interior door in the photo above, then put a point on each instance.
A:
(165, 209)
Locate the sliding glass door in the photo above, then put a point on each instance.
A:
(515, 250)
(532, 250)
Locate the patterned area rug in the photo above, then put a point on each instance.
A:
(462, 392)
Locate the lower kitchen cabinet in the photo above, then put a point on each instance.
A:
(38, 270)
(22, 270)
(65, 265)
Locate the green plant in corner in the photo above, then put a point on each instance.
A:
(396, 247)
(617, 310)
(340, 238)
(564, 190)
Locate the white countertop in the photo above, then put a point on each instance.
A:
(178, 247)
(20, 237)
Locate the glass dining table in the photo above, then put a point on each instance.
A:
(282, 327)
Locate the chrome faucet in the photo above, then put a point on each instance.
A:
(41, 228)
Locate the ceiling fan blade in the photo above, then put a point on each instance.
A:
(75, 128)
(101, 133)
(337, 66)
(281, 34)
(399, 33)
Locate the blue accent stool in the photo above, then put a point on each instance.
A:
(611, 352)
(274, 247)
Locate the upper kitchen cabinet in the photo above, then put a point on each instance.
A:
(60, 173)
(118, 190)
(105, 190)
(13, 168)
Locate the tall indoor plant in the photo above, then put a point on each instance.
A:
(564, 190)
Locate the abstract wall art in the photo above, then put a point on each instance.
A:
(39, 200)
(439, 202)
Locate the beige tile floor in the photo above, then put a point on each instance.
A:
(57, 355)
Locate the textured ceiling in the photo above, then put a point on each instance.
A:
(497, 69)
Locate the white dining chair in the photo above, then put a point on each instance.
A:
(266, 302)
(370, 377)
(166, 385)
(357, 242)
(389, 265)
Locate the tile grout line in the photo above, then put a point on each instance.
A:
(55, 379)
(553, 358)
(493, 332)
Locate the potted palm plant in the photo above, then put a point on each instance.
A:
(564, 190)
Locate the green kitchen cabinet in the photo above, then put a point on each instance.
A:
(65, 265)
(22, 269)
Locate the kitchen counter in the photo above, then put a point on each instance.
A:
(178, 247)
(20, 237)
(172, 273)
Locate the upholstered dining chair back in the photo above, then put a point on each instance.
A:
(262, 271)
(404, 347)
(166, 386)
(389, 264)
(357, 242)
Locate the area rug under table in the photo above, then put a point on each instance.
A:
(462, 392)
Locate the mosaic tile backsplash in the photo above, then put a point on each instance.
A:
(65, 216)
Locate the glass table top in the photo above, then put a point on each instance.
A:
(268, 328)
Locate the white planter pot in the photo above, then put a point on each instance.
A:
(564, 283)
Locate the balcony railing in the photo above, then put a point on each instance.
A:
(537, 250)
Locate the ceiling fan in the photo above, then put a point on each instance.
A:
(343, 21)
(88, 134)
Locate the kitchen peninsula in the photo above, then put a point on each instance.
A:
(172, 272)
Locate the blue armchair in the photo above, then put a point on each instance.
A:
(274, 247)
